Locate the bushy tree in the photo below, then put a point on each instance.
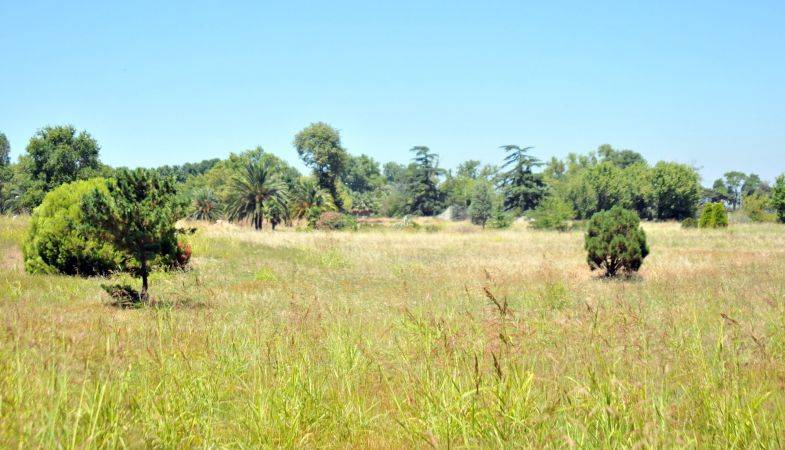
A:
(778, 197)
(319, 146)
(309, 199)
(552, 213)
(754, 207)
(57, 155)
(734, 181)
(521, 188)
(615, 242)
(362, 174)
(713, 215)
(424, 196)
(676, 190)
(137, 215)
(60, 240)
(481, 205)
(620, 158)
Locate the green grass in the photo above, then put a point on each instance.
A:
(391, 339)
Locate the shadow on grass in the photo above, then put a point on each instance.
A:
(124, 296)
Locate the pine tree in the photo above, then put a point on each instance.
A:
(425, 198)
(521, 188)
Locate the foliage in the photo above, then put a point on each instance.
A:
(59, 239)
(754, 206)
(500, 219)
(620, 158)
(713, 216)
(423, 194)
(689, 222)
(521, 188)
(778, 197)
(481, 205)
(307, 197)
(362, 174)
(676, 190)
(56, 155)
(5, 151)
(333, 220)
(615, 242)
(319, 146)
(552, 213)
(252, 190)
(137, 215)
(205, 205)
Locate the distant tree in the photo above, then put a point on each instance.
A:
(468, 169)
(676, 191)
(620, 158)
(481, 205)
(778, 197)
(734, 181)
(752, 184)
(615, 242)
(393, 172)
(57, 155)
(362, 173)
(138, 217)
(5, 151)
(319, 146)
(424, 196)
(251, 190)
(555, 169)
(754, 207)
(609, 185)
(718, 192)
(205, 204)
(521, 188)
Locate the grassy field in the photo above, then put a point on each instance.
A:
(402, 339)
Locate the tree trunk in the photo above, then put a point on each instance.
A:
(143, 296)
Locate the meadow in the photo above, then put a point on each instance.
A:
(390, 338)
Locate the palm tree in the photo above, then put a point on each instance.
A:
(250, 191)
(205, 204)
(308, 194)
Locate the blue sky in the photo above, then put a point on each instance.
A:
(700, 82)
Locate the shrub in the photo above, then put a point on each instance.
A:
(778, 197)
(754, 207)
(59, 239)
(554, 213)
(332, 220)
(689, 222)
(482, 204)
(500, 219)
(713, 216)
(615, 242)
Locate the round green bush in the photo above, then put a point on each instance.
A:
(59, 241)
(615, 242)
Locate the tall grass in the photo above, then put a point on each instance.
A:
(404, 339)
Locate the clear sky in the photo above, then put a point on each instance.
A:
(700, 82)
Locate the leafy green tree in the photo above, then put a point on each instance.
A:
(615, 242)
(734, 181)
(521, 188)
(424, 196)
(481, 205)
(59, 239)
(393, 172)
(676, 190)
(205, 205)
(754, 207)
(719, 192)
(579, 191)
(137, 216)
(609, 185)
(319, 146)
(5, 151)
(778, 197)
(362, 174)
(553, 212)
(752, 183)
(57, 155)
(308, 196)
(620, 158)
(251, 190)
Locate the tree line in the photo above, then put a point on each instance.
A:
(258, 187)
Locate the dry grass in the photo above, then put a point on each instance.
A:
(402, 339)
